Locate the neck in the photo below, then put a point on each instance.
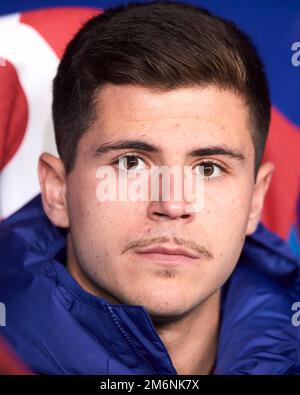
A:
(192, 341)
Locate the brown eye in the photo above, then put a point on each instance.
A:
(130, 162)
(209, 169)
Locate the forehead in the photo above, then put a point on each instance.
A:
(175, 118)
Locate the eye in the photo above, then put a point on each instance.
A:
(130, 163)
(210, 170)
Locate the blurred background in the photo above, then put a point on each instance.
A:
(33, 35)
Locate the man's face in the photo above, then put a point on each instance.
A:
(104, 235)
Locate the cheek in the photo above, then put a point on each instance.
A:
(225, 217)
(228, 205)
(104, 227)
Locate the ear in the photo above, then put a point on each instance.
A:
(261, 187)
(52, 179)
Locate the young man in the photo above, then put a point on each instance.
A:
(152, 286)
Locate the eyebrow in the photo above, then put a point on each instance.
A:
(146, 147)
(128, 144)
(218, 150)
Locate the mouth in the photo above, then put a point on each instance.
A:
(167, 255)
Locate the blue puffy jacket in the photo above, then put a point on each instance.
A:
(58, 328)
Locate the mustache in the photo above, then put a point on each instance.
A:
(141, 243)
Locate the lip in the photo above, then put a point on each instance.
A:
(165, 254)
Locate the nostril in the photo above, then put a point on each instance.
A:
(160, 214)
(185, 216)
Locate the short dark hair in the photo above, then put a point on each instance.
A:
(161, 45)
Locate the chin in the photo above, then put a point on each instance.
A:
(161, 312)
(164, 317)
(162, 303)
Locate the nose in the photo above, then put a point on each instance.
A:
(169, 210)
(163, 209)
